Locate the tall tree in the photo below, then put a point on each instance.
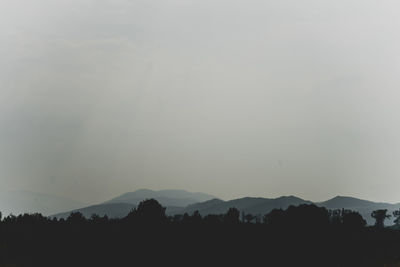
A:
(396, 215)
(148, 211)
(232, 216)
(353, 220)
(380, 216)
(249, 218)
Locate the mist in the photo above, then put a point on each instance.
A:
(231, 98)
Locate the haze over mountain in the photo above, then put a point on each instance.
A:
(174, 200)
(253, 205)
(180, 202)
(364, 207)
(179, 198)
(264, 205)
(112, 210)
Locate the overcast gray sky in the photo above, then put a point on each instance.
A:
(232, 98)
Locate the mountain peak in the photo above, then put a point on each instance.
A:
(168, 197)
(291, 197)
(346, 201)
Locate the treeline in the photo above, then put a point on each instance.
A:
(305, 235)
(152, 211)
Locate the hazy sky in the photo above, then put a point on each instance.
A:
(232, 98)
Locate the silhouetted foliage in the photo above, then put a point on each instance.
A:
(148, 211)
(349, 219)
(304, 235)
(176, 218)
(98, 220)
(275, 218)
(353, 220)
(249, 218)
(196, 217)
(76, 218)
(380, 216)
(336, 216)
(396, 215)
(214, 219)
(232, 216)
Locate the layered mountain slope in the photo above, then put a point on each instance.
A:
(180, 202)
(364, 207)
(250, 205)
(112, 210)
(178, 198)
(174, 200)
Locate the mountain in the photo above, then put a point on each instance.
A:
(18, 202)
(112, 210)
(177, 198)
(264, 205)
(364, 207)
(250, 205)
(174, 200)
(180, 202)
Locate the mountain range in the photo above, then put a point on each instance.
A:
(180, 202)
(174, 200)
(178, 198)
(364, 207)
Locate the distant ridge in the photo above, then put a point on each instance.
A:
(364, 207)
(348, 202)
(252, 205)
(118, 207)
(112, 210)
(181, 201)
(171, 197)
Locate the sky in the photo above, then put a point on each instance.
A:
(231, 98)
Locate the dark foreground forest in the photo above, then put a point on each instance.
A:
(306, 235)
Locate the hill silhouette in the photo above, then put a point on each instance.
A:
(119, 207)
(302, 235)
(364, 207)
(181, 201)
(112, 210)
(251, 205)
(177, 198)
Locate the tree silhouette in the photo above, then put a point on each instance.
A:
(95, 218)
(232, 216)
(148, 211)
(258, 218)
(275, 217)
(396, 215)
(213, 219)
(242, 216)
(306, 216)
(353, 220)
(305, 235)
(249, 218)
(380, 216)
(336, 216)
(196, 217)
(76, 218)
(176, 218)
